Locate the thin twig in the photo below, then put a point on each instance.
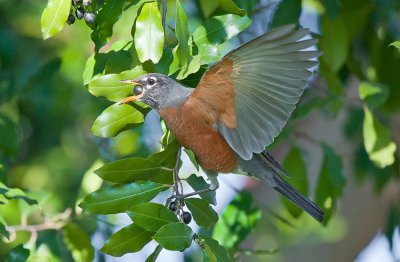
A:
(57, 222)
(164, 13)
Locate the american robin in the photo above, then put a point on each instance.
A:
(239, 106)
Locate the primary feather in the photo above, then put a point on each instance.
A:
(268, 75)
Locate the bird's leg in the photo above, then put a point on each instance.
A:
(177, 181)
(214, 185)
(183, 196)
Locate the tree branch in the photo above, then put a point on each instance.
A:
(57, 222)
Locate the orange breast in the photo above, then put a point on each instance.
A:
(210, 148)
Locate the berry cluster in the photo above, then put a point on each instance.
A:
(186, 216)
(81, 11)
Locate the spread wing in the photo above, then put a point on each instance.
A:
(252, 91)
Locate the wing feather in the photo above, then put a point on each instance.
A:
(263, 80)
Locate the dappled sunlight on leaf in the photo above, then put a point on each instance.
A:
(377, 141)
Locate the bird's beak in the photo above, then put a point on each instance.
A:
(129, 98)
(131, 82)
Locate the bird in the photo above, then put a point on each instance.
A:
(239, 106)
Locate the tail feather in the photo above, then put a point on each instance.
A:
(297, 198)
(288, 191)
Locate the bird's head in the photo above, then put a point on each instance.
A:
(155, 90)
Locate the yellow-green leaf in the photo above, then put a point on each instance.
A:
(377, 141)
(78, 243)
(117, 118)
(214, 251)
(110, 87)
(373, 94)
(149, 34)
(54, 17)
(396, 44)
(182, 33)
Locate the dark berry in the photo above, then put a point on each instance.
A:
(172, 206)
(87, 3)
(77, 2)
(138, 90)
(79, 12)
(187, 217)
(89, 18)
(71, 19)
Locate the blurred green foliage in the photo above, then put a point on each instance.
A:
(48, 154)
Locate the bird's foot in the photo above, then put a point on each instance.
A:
(183, 196)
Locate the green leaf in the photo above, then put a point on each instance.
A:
(334, 43)
(392, 225)
(149, 34)
(16, 193)
(117, 59)
(208, 7)
(331, 7)
(214, 251)
(231, 7)
(152, 216)
(3, 199)
(295, 166)
(377, 141)
(174, 236)
(396, 44)
(237, 221)
(78, 243)
(198, 183)
(182, 33)
(330, 182)
(153, 256)
(134, 169)
(127, 240)
(288, 12)
(18, 254)
(9, 138)
(218, 29)
(110, 87)
(54, 17)
(3, 230)
(192, 158)
(202, 213)
(373, 94)
(108, 15)
(191, 68)
(209, 53)
(119, 198)
(167, 157)
(117, 118)
(3, 188)
(168, 137)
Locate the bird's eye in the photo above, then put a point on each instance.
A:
(138, 90)
(151, 81)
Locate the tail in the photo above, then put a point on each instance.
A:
(287, 190)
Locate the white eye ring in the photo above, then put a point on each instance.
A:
(151, 81)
